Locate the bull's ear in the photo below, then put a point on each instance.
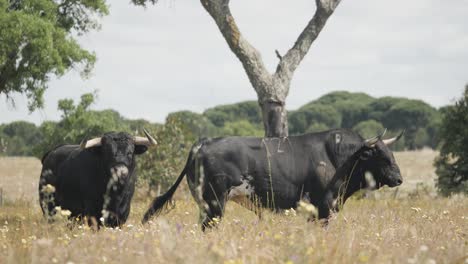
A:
(140, 149)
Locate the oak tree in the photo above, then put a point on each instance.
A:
(37, 41)
(271, 88)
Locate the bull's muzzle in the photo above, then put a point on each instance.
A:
(397, 180)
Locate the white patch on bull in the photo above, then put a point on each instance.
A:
(199, 188)
(243, 194)
(47, 191)
(321, 169)
(117, 174)
(370, 180)
(245, 189)
(337, 138)
(204, 207)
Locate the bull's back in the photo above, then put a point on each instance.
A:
(51, 163)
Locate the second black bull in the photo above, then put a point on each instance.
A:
(278, 172)
(95, 179)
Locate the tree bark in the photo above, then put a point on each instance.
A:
(272, 89)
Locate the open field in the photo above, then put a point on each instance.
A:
(410, 225)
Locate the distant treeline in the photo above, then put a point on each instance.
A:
(358, 111)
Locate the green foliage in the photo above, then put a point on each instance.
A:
(421, 137)
(353, 107)
(369, 128)
(143, 2)
(380, 106)
(16, 138)
(302, 119)
(161, 166)
(452, 164)
(317, 127)
(350, 110)
(36, 42)
(411, 115)
(248, 110)
(199, 125)
(242, 128)
(78, 123)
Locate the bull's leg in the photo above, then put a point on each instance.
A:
(213, 207)
(210, 202)
(325, 209)
(47, 197)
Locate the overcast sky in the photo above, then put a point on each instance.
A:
(172, 57)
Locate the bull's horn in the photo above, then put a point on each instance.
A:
(150, 138)
(393, 139)
(372, 141)
(147, 141)
(95, 142)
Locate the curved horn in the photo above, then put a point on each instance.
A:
(372, 141)
(147, 141)
(394, 139)
(95, 142)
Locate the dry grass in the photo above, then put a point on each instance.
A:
(19, 178)
(386, 230)
(417, 168)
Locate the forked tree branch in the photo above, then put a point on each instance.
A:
(296, 54)
(268, 87)
(245, 52)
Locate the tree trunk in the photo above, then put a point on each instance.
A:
(272, 89)
(275, 119)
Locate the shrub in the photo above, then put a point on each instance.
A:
(452, 164)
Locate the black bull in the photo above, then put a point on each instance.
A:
(278, 172)
(95, 179)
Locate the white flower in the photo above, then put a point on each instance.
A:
(65, 213)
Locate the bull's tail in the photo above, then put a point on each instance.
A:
(161, 202)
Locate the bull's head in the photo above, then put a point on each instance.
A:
(378, 159)
(118, 150)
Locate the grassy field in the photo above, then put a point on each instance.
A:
(405, 225)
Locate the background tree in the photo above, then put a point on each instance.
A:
(78, 123)
(37, 41)
(158, 169)
(337, 109)
(411, 115)
(19, 137)
(272, 88)
(199, 125)
(368, 128)
(314, 118)
(248, 110)
(241, 128)
(452, 164)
